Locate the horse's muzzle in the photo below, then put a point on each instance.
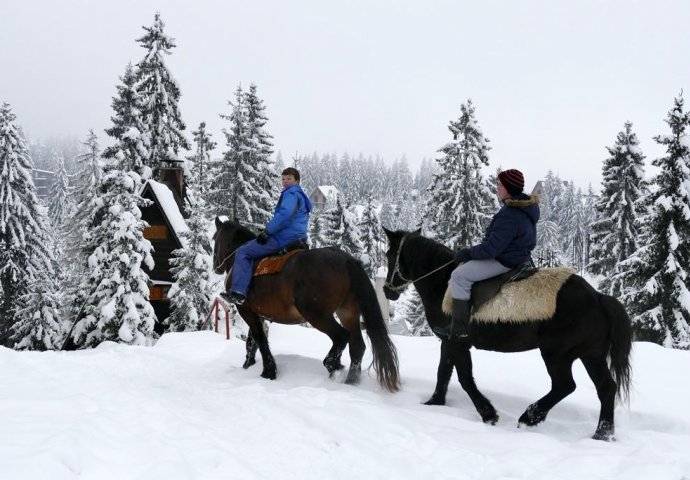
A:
(390, 294)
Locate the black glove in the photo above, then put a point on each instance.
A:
(463, 255)
(262, 238)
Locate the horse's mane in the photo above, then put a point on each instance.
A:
(430, 247)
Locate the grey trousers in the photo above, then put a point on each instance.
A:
(466, 274)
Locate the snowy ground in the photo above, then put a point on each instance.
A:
(185, 409)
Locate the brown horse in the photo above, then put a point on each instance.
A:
(311, 287)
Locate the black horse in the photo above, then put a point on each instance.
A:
(311, 286)
(586, 325)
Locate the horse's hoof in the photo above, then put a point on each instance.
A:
(353, 378)
(435, 400)
(248, 363)
(269, 375)
(604, 432)
(490, 419)
(532, 416)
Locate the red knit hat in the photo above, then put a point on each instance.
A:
(513, 180)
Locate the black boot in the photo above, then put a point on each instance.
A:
(233, 297)
(457, 328)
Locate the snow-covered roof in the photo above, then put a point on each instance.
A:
(170, 209)
(329, 191)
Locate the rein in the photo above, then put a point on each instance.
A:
(396, 271)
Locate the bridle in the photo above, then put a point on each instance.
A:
(396, 270)
(227, 257)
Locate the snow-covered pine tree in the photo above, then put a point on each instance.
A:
(232, 174)
(548, 251)
(372, 237)
(77, 232)
(132, 140)
(39, 323)
(315, 228)
(415, 315)
(25, 254)
(260, 149)
(660, 299)
(615, 231)
(460, 203)
(161, 94)
(200, 178)
(351, 237)
(192, 293)
(58, 197)
(117, 306)
(332, 226)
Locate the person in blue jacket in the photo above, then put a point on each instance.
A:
(508, 242)
(289, 224)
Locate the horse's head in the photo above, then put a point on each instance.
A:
(396, 281)
(229, 236)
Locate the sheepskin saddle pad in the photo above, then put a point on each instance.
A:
(530, 300)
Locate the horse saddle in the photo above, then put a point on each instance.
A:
(485, 290)
(275, 263)
(505, 299)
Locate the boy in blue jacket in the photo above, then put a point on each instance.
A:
(508, 242)
(289, 224)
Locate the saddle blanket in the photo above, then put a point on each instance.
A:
(530, 300)
(273, 264)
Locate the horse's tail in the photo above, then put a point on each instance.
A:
(621, 345)
(384, 352)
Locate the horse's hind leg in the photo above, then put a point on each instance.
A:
(349, 317)
(325, 322)
(257, 332)
(598, 371)
(461, 357)
(562, 385)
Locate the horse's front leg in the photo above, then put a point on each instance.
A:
(257, 332)
(443, 374)
(562, 385)
(251, 347)
(461, 357)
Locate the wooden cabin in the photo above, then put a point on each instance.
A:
(323, 196)
(164, 216)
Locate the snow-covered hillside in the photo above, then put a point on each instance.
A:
(185, 409)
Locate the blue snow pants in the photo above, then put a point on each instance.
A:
(243, 268)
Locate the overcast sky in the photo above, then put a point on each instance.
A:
(553, 82)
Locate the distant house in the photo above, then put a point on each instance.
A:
(166, 223)
(538, 188)
(322, 196)
(43, 179)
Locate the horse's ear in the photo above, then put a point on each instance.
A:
(388, 233)
(418, 231)
(219, 223)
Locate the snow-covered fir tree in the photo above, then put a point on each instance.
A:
(232, 186)
(200, 179)
(548, 252)
(117, 306)
(79, 242)
(160, 94)
(315, 224)
(415, 315)
(615, 231)
(460, 202)
(260, 148)
(192, 292)
(39, 323)
(332, 225)
(659, 301)
(59, 195)
(132, 140)
(25, 255)
(372, 237)
(351, 237)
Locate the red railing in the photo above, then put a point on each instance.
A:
(218, 303)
